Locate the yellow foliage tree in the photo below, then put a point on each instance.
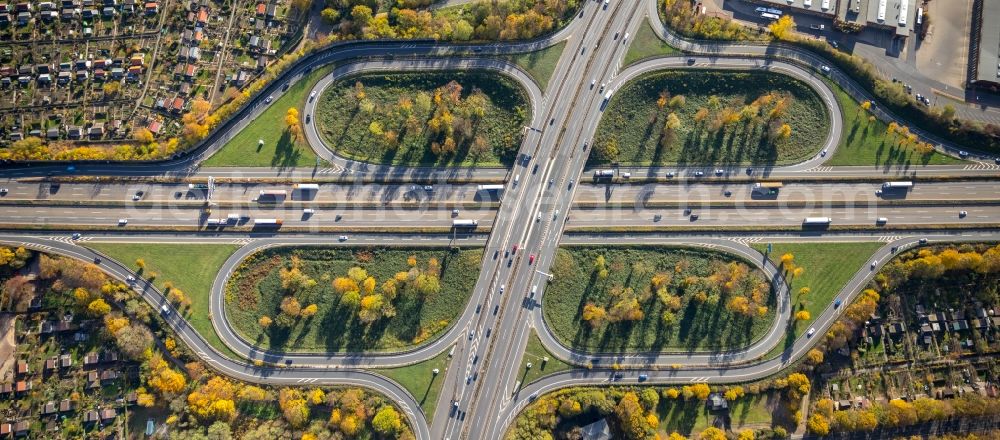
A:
(214, 400)
(783, 28)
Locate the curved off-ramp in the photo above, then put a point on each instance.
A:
(328, 152)
(285, 376)
(750, 371)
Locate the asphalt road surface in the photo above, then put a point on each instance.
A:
(479, 397)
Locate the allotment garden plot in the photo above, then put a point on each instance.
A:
(314, 299)
(425, 118)
(628, 299)
(710, 117)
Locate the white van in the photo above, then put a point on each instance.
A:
(534, 289)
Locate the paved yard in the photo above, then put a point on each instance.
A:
(944, 54)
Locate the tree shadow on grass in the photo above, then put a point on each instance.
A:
(286, 154)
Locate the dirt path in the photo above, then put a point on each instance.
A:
(8, 346)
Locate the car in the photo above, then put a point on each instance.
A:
(694, 217)
(514, 249)
(834, 44)
(617, 376)
(657, 217)
(531, 258)
(836, 303)
(699, 173)
(728, 193)
(472, 334)
(878, 192)
(687, 211)
(308, 118)
(570, 184)
(719, 172)
(962, 214)
(812, 331)
(602, 88)
(136, 197)
(823, 153)
(881, 221)
(922, 241)
(593, 83)
(97, 260)
(920, 97)
(749, 171)
(874, 264)
(165, 309)
(538, 217)
(3, 190)
(268, 99)
(996, 160)
(671, 174)
(130, 279)
(71, 168)
(616, 35)
(122, 221)
(963, 153)
(606, 3)
(502, 286)
(825, 69)
(429, 188)
(76, 235)
(454, 213)
(285, 86)
(312, 95)
(643, 377)
(625, 38)
(556, 215)
(691, 61)
(343, 238)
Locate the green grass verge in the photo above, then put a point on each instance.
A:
(190, 267)
(419, 379)
(699, 321)
(390, 118)
(721, 118)
(256, 290)
(541, 63)
(865, 142)
(751, 411)
(647, 44)
(280, 149)
(827, 268)
(536, 353)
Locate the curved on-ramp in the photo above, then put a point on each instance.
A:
(395, 65)
(242, 346)
(735, 373)
(278, 376)
(757, 349)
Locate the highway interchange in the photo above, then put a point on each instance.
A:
(533, 213)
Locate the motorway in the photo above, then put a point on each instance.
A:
(538, 199)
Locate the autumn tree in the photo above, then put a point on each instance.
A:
(593, 314)
(631, 416)
(292, 122)
(134, 340)
(214, 400)
(293, 406)
(164, 379)
(802, 315)
(818, 424)
(782, 28)
(264, 322)
(387, 421)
